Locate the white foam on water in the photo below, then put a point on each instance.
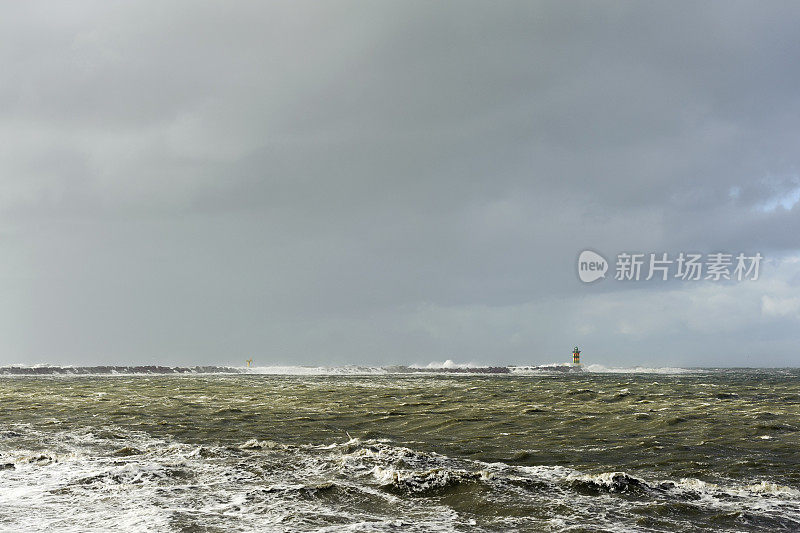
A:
(597, 369)
(77, 481)
(542, 369)
(435, 365)
(354, 370)
(418, 473)
(81, 481)
(600, 369)
(290, 370)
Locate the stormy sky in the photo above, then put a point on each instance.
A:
(395, 182)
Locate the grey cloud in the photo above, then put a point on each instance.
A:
(194, 181)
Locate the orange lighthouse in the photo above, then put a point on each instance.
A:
(576, 356)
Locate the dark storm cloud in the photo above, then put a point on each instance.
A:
(386, 182)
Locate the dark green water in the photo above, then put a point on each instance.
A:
(705, 451)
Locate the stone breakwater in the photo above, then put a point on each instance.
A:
(18, 370)
(139, 369)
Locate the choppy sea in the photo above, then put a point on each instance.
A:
(372, 450)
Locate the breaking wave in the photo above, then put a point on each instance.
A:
(290, 370)
(85, 480)
(600, 369)
(354, 370)
(445, 365)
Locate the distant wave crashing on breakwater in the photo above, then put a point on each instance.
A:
(448, 367)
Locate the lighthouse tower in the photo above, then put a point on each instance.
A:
(576, 356)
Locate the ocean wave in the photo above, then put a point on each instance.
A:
(446, 365)
(600, 369)
(406, 470)
(608, 481)
(297, 370)
(68, 370)
(346, 370)
(417, 471)
(426, 481)
(162, 484)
